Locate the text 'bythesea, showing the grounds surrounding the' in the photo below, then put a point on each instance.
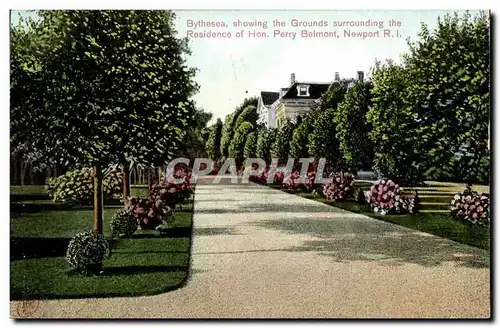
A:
(294, 29)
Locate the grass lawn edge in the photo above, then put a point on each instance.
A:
(387, 220)
(150, 292)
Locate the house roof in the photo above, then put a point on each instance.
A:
(315, 90)
(268, 98)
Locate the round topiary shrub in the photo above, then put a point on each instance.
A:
(123, 224)
(86, 252)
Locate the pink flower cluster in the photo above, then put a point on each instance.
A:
(148, 213)
(340, 187)
(171, 192)
(262, 178)
(385, 197)
(293, 181)
(382, 195)
(471, 206)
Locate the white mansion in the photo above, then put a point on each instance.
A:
(296, 99)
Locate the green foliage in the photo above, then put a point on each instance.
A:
(250, 145)
(352, 128)
(323, 142)
(123, 224)
(248, 111)
(213, 144)
(300, 139)
(195, 136)
(265, 141)
(104, 86)
(227, 135)
(86, 252)
(397, 145)
(249, 114)
(237, 146)
(449, 71)
(77, 186)
(281, 145)
(430, 116)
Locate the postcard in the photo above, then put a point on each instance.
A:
(250, 164)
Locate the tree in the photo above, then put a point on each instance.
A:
(195, 135)
(394, 135)
(227, 135)
(249, 114)
(110, 87)
(237, 146)
(265, 141)
(298, 145)
(232, 122)
(250, 145)
(323, 142)
(281, 146)
(449, 70)
(430, 116)
(214, 140)
(353, 129)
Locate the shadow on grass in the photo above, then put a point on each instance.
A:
(28, 207)
(131, 270)
(24, 197)
(39, 247)
(359, 238)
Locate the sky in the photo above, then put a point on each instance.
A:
(231, 69)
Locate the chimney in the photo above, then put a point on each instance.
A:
(292, 78)
(360, 76)
(337, 77)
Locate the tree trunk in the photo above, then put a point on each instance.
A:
(159, 175)
(125, 182)
(23, 172)
(15, 169)
(32, 176)
(150, 180)
(97, 199)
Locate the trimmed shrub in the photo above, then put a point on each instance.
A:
(77, 186)
(123, 223)
(386, 197)
(340, 187)
(87, 251)
(471, 206)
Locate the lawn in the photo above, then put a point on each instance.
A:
(436, 222)
(143, 264)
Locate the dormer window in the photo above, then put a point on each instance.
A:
(303, 90)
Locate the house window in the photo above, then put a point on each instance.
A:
(303, 90)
